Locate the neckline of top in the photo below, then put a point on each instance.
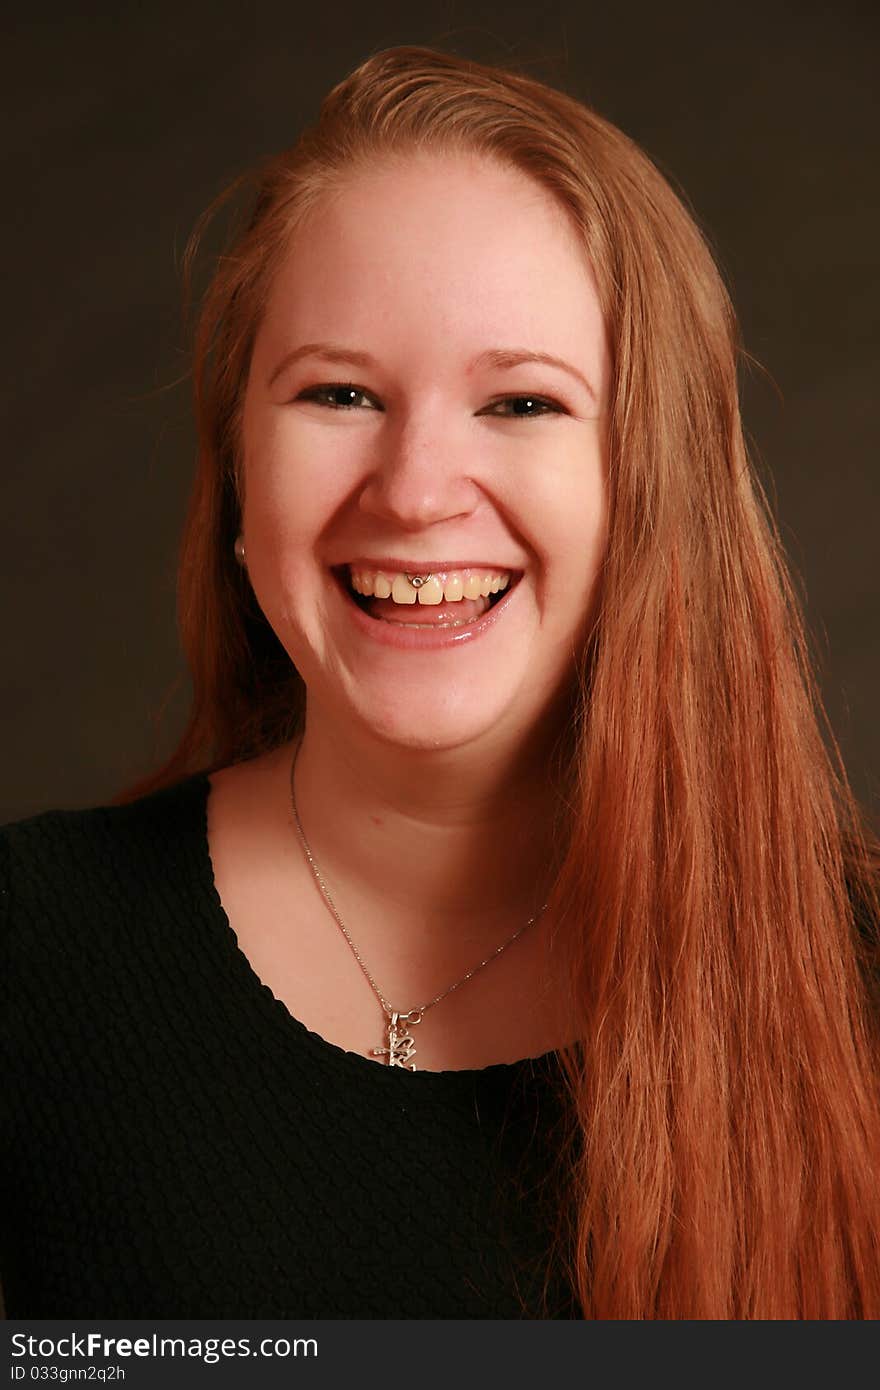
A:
(199, 785)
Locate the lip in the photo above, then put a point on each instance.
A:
(406, 637)
(395, 565)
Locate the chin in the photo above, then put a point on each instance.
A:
(421, 730)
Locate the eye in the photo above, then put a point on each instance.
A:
(337, 395)
(524, 407)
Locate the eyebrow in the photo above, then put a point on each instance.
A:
(513, 357)
(492, 357)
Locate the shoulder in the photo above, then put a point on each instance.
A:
(79, 841)
(62, 868)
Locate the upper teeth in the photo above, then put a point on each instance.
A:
(452, 586)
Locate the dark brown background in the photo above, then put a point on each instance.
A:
(122, 125)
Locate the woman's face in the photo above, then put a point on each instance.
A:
(391, 429)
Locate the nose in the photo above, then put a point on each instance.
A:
(419, 476)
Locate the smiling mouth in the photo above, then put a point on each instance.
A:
(440, 598)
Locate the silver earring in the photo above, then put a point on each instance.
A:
(239, 550)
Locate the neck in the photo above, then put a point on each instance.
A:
(464, 840)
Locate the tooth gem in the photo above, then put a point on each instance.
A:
(417, 580)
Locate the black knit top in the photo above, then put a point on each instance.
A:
(176, 1144)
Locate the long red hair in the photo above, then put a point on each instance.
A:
(719, 898)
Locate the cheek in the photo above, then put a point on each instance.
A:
(568, 511)
(590, 535)
(294, 487)
(286, 507)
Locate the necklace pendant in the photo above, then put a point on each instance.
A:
(400, 1047)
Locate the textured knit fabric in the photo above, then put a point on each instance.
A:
(176, 1144)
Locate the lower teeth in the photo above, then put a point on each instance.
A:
(460, 622)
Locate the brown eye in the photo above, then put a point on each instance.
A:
(524, 407)
(336, 395)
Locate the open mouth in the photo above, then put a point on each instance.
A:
(440, 599)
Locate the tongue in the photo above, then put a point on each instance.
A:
(462, 612)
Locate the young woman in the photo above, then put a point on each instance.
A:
(499, 940)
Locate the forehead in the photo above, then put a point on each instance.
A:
(449, 249)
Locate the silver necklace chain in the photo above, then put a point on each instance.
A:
(409, 1015)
